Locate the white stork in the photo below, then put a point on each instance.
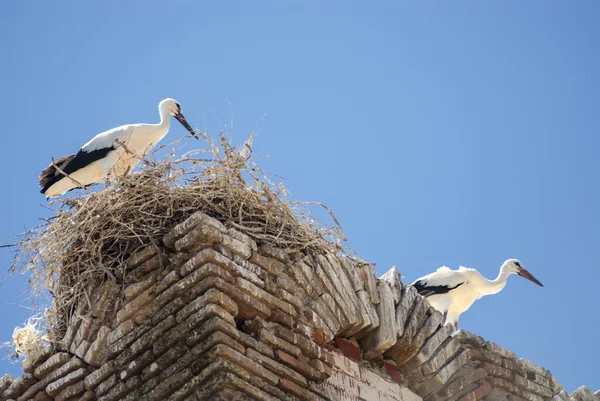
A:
(453, 291)
(110, 153)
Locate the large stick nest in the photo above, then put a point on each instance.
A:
(91, 236)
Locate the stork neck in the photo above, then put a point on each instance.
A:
(495, 286)
(165, 118)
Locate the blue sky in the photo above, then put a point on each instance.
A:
(441, 133)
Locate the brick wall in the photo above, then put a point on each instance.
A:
(210, 314)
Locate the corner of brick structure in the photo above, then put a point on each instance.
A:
(211, 315)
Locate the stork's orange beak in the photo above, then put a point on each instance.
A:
(525, 274)
(187, 126)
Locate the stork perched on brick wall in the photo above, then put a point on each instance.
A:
(114, 152)
(452, 292)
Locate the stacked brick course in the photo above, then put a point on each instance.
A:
(210, 314)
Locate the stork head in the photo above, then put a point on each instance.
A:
(173, 107)
(514, 266)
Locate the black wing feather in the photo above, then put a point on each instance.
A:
(70, 164)
(426, 291)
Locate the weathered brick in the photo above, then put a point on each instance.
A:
(515, 367)
(274, 252)
(352, 273)
(182, 287)
(212, 296)
(248, 306)
(185, 227)
(72, 391)
(269, 338)
(145, 342)
(120, 345)
(303, 368)
(99, 375)
(268, 299)
(477, 394)
(528, 385)
(411, 357)
(35, 358)
(416, 319)
(368, 310)
(19, 385)
(377, 341)
(53, 363)
(367, 275)
(182, 330)
(496, 349)
(164, 361)
(169, 309)
(106, 385)
(215, 368)
(289, 298)
(198, 236)
(5, 382)
(531, 396)
(236, 246)
(121, 389)
(480, 354)
(505, 384)
(538, 379)
(211, 256)
(133, 290)
(169, 384)
(146, 269)
(270, 389)
(497, 371)
(249, 342)
(294, 389)
(271, 265)
(43, 396)
(404, 308)
(95, 352)
(466, 337)
(57, 386)
(334, 271)
(441, 354)
(308, 347)
(532, 367)
(248, 364)
(122, 330)
(276, 367)
(463, 379)
(340, 306)
(212, 325)
(141, 255)
(319, 315)
(133, 307)
(279, 316)
(307, 279)
(442, 376)
(393, 278)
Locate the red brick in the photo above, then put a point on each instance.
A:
(393, 372)
(349, 349)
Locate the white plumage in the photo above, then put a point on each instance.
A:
(111, 153)
(452, 292)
